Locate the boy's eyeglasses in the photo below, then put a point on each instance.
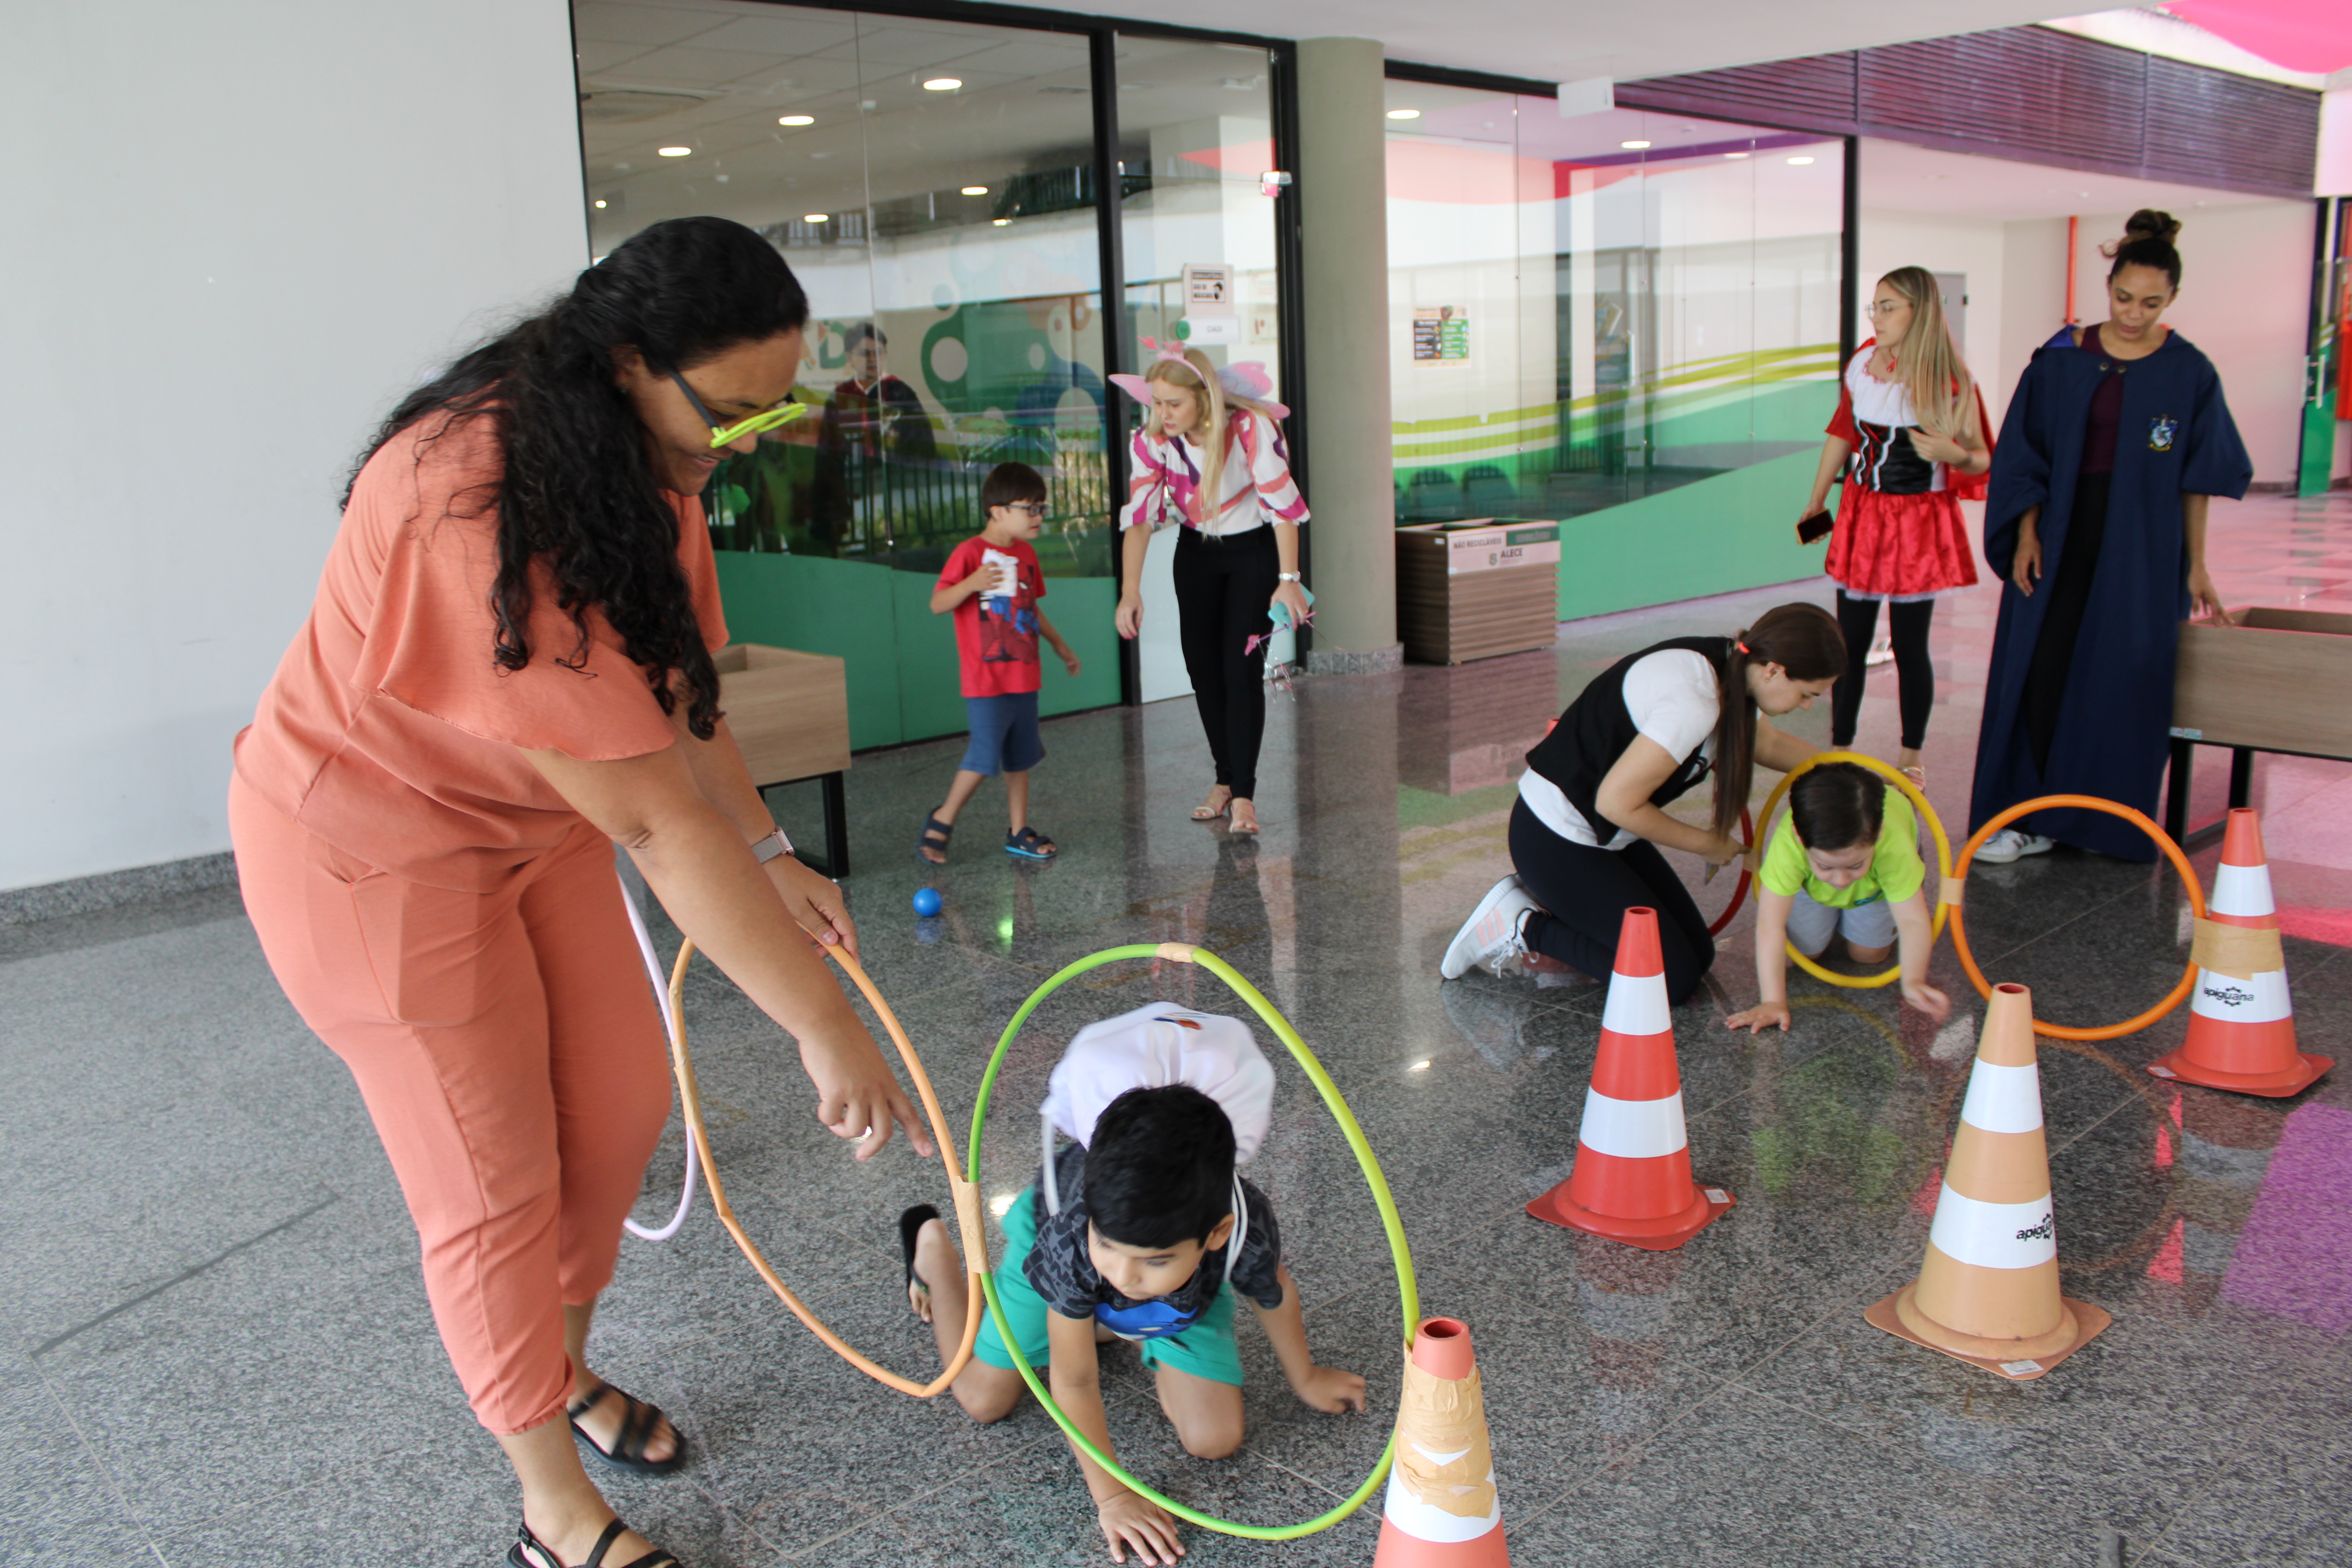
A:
(782, 413)
(1034, 508)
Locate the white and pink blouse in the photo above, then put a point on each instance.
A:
(1257, 488)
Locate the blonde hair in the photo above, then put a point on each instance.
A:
(1195, 374)
(1943, 393)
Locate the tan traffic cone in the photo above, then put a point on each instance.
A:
(1443, 1511)
(2240, 1020)
(1632, 1181)
(1987, 1291)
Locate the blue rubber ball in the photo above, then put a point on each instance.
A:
(927, 900)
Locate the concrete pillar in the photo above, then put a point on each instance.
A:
(1343, 178)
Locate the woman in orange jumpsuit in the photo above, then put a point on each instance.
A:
(506, 671)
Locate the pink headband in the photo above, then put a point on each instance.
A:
(1247, 380)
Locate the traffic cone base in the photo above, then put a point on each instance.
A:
(2305, 1071)
(2019, 1361)
(1661, 1234)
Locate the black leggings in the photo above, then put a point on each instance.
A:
(1224, 587)
(1585, 892)
(1907, 626)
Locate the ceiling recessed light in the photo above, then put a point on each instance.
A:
(1633, 146)
(1735, 154)
(975, 190)
(1404, 114)
(1000, 221)
(816, 218)
(1800, 160)
(675, 151)
(599, 202)
(796, 120)
(943, 84)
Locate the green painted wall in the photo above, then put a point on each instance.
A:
(901, 659)
(1714, 535)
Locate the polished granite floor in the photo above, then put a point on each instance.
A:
(215, 1349)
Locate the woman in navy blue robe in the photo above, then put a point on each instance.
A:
(2094, 518)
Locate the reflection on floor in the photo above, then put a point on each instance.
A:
(217, 1350)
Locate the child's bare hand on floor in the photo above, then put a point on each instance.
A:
(1331, 1390)
(1133, 1524)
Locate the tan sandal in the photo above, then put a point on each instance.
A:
(1203, 813)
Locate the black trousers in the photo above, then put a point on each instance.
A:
(1585, 892)
(2068, 582)
(1914, 672)
(1224, 586)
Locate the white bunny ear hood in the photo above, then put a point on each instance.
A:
(1156, 1046)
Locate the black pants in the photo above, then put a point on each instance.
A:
(1907, 624)
(2069, 588)
(1585, 893)
(1224, 587)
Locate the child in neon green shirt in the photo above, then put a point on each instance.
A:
(1846, 863)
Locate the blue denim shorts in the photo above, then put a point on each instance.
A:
(1004, 738)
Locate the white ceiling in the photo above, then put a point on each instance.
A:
(1544, 41)
(1898, 177)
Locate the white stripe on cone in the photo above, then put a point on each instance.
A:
(1994, 1235)
(1636, 1006)
(1631, 1128)
(2242, 891)
(2227, 999)
(2003, 1098)
(1424, 1522)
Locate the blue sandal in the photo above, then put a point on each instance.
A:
(1029, 845)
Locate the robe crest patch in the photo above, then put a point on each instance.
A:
(2160, 432)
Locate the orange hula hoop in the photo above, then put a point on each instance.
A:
(1738, 893)
(2089, 803)
(966, 1194)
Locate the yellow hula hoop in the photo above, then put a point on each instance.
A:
(1927, 813)
(966, 1194)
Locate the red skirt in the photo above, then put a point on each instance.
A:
(1899, 546)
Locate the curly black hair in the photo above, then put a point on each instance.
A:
(578, 488)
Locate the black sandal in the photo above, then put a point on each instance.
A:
(910, 1225)
(519, 1554)
(629, 1451)
(1029, 845)
(935, 835)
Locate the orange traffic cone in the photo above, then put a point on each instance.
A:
(2241, 1021)
(1987, 1291)
(1631, 1181)
(1442, 1510)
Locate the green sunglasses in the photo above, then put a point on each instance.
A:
(784, 413)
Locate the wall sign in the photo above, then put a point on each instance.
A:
(1441, 335)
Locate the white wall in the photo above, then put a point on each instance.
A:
(238, 232)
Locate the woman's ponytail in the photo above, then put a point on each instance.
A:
(1803, 640)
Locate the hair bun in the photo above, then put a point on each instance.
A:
(2149, 224)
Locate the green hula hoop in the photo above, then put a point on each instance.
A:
(1409, 1295)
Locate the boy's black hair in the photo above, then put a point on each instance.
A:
(1010, 482)
(863, 330)
(1160, 1168)
(1838, 805)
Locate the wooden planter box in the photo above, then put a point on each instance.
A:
(790, 715)
(2274, 680)
(1475, 589)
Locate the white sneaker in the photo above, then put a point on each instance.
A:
(2009, 844)
(1491, 934)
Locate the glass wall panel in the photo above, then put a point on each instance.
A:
(931, 182)
(1196, 133)
(1626, 317)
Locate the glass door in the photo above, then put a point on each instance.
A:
(930, 182)
(1196, 133)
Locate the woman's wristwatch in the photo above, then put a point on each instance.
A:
(1286, 576)
(773, 845)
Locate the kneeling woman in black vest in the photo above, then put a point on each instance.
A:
(1587, 829)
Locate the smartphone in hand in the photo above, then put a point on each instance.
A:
(1816, 527)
